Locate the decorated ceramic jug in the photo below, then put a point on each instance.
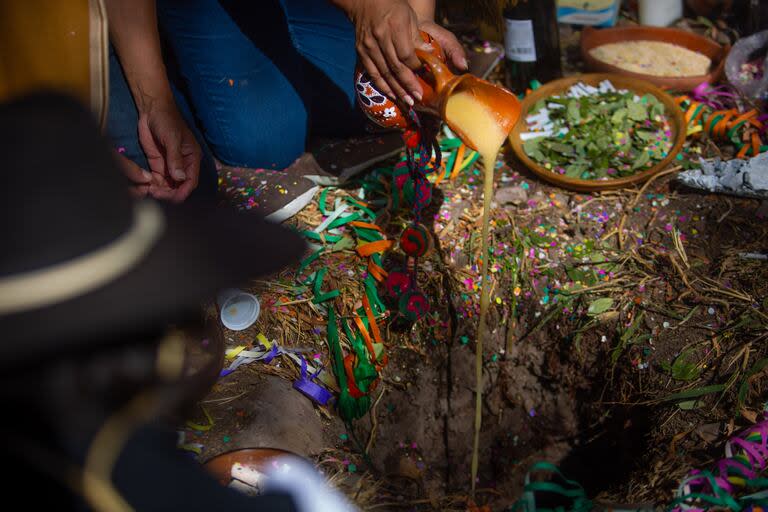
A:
(382, 110)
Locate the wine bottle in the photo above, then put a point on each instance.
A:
(532, 43)
(751, 16)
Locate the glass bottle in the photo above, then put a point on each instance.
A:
(532, 43)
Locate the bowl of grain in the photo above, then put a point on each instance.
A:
(666, 57)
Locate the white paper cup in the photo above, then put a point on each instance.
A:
(660, 13)
(238, 310)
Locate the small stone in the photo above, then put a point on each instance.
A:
(511, 195)
(406, 467)
(709, 432)
(560, 200)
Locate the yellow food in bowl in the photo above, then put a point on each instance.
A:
(653, 58)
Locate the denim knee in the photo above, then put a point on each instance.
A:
(271, 135)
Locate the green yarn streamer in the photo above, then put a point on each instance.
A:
(447, 144)
(571, 490)
(344, 220)
(369, 235)
(316, 288)
(321, 201)
(349, 408)
(321, 238)
(368, 212)
(373, 296)
(308, 260)
(721, 498)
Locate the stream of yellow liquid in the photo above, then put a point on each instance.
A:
(481, 127)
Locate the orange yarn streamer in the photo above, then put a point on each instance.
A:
(371, 319)
(354, 391)
(371, 248)
(376, 271)
(440, 173)
(366, 336)
(364, 225)
(743, 151)
(720, 123)
(459, 159)
(369, 345)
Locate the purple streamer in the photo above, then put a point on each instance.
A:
(310, 389)
(713, 97)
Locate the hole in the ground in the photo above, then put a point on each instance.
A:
(608, 452)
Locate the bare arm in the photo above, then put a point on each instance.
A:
(171, 149)
(424, 9)
(133, 31)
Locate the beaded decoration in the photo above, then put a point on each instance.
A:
(422, 157)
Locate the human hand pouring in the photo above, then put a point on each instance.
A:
(439, 84)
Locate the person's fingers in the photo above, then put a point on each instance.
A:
(184, 190)
(373, 72)
(171, 140)
(193, 156)
(162, 193)
(162, 187)
(139, 191)
(132, 170)
(406, 47)
(149, 145)
(382, 72)
(389, 77)
(376, 77)
(140, 178)
(160, 180)
(453, 49)
(396, 56)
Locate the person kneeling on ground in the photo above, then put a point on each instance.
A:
(250, 82)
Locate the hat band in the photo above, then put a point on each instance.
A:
(84, 274)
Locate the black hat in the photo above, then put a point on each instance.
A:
(81, 260)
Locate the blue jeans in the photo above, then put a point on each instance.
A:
(253, 78)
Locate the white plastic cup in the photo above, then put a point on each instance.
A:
(660, 13)
(238, 310)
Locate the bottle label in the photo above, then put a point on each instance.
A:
(519, 42)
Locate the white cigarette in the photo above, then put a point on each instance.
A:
(533, 135)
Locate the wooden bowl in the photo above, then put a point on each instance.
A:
(592, 38)
(674, 113)
(220, 466)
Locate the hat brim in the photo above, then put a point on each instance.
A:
(201, 251)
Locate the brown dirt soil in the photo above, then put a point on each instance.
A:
(559, 384)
